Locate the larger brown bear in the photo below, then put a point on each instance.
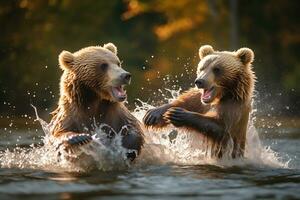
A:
(92, 93)
(219, 108)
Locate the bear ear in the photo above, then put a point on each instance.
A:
(205, 50)
(246, 55)
(110, 46)
(65, 59)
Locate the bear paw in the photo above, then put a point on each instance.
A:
(74, 141)
(178, 116)
(154, 117)
(80, 139)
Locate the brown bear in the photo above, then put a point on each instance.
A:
(92, 93)
(220, 106)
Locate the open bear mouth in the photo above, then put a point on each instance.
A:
(119, 93)
(208, 94)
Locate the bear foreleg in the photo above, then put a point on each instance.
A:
(208, 126)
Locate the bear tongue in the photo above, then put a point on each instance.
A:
(120, 91)
(207, 94)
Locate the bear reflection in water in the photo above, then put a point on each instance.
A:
(220, 105)
(92, 93)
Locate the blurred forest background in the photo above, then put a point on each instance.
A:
(158, 42)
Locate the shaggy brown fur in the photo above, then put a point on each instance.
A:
(219, 108)
(87, 98)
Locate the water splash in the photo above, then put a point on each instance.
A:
(179, 146)
(102, 153)
(168, 145)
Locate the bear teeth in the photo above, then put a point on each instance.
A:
(207, 93)
(119, 92)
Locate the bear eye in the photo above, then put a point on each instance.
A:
(217, 70)
(104, 66)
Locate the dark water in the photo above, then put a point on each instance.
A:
(158, 181)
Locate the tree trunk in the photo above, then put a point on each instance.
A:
(234, 36)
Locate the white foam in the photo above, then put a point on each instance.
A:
(173, 145)
(169, 145)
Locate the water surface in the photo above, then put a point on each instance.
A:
(157, 181)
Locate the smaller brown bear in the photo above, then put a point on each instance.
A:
(220, 106)
(92, 93)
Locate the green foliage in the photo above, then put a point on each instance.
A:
(154, 38)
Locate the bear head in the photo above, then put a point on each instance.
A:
(225, 75)
(96, 69)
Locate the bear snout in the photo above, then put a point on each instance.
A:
(200, 83)
(126, 77)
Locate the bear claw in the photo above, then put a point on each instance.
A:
(154, 116)
(75, 140)
(79, 139)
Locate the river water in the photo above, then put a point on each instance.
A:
(167, 169)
